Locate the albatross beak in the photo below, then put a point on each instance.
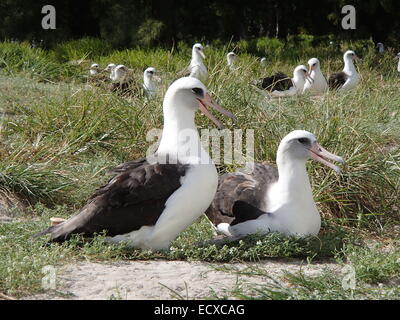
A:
(308, 77)
(202, 54)
(206, 102)
(320, 154)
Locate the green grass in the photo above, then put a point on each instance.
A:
(59, 136)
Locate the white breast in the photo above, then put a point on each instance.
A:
(351, 82)
(319, 85)
(199, 71)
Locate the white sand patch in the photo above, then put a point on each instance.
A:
(166, 279)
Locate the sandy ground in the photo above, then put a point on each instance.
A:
(166, 279)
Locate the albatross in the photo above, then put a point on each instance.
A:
(196, 68)
(318, 83)
(348, 78)
(150, 80)
(231, 57)
(94, 69)
(263, 62)
(380, 48)
(272, 199)
(281, 85)
(149, 202)
(121, 81)
(110, 68)
(398, 65)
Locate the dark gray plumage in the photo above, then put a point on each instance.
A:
(133, 198)
(279, 82)
(241, 197)
(337, 80)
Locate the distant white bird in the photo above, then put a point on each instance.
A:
(196, 68)
(398, 66)
(119, 74)
(349, 77)
(110, 68)
(263, 62)
(150, 82)
(380, 47)
(318, 83)
(94, 69)
(300, 76)
(231, 57)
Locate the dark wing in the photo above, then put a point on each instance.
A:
(99, 80)
(248, 188)
(129, 88)
(278, 81)
(130, 165)
(133, 198)
(337, 80)
(244, 211)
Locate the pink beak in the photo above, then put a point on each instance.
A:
(206, 102)
(320, 154)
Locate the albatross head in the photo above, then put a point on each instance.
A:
(314, 64)
(198, 50)
(300, 72)
(110, 67)
(189, 94)
(119, 73)
(302, 145)
(350, 55)
(150, 74)
(94, 68)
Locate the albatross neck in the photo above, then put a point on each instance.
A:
(349, 66)
(293, 182)
(180, 138)
(196, 58)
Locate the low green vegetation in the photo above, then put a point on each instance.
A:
(59, 136)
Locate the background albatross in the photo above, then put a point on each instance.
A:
(318, 84)
(348, 78)
(149, 202)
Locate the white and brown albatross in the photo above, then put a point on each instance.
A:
(398, 65)
(272, 199)
(230, 59)
(150, 80)
(280, 85)
(349, 77)
(149, 202)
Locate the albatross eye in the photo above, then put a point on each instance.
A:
(304, 140)
(198, 92)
